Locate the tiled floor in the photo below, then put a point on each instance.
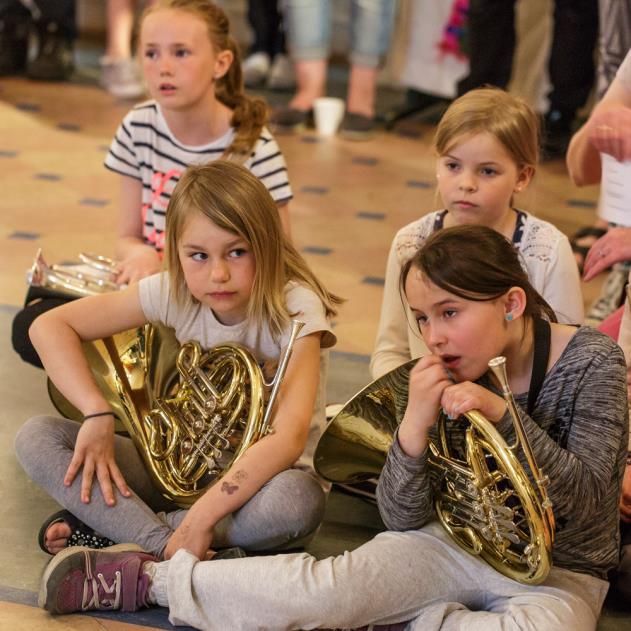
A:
(350, 198)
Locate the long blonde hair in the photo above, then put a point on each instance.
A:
(509, 119)
(236, 201)
(249, 114)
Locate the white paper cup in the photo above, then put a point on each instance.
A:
(328, 112)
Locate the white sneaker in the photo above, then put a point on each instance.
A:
(121, 78)
(281, 75)
(255, 69)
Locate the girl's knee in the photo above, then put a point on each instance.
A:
(302, 500)
(42, 435)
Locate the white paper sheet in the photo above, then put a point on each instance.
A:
(615, 190)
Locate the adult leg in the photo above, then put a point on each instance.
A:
(571, 65)
(614, 18)
(385, 581)
(14, 31)
(491, 44)
(309, 30)
(371, 27)
(56, 31)
(285, 513)
(44, 446)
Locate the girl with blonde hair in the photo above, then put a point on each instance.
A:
(487, 146)
(232, 276)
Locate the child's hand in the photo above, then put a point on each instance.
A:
(94, 451)
(428, 380)
(141, 262)
(466, 396)
(194, 537)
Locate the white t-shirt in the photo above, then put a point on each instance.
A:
(545, 254)
(199, 323)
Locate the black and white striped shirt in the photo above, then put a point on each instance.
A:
(144, 148)
(578, 433)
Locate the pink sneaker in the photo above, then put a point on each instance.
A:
(82, 579)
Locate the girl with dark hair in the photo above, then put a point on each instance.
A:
(472, 302)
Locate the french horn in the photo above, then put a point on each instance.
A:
(191, 413)
(483, 496)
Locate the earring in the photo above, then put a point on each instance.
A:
(508, 317)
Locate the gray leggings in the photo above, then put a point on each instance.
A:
(286, 512)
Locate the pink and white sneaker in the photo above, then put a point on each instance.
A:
(83, 579)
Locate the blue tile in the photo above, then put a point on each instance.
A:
(25, 236)
(8, 154)
(373, 280)
(312, 140)
(316, 249)
(409, 133)
(366, 160)
(69, 126)
(418, 184)
(28, 107)
(364, 214)
(316, 190)
(52, 177)
(92, 201)
(581, 203)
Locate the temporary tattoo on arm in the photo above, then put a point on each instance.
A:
(228, 488)
(240, 476)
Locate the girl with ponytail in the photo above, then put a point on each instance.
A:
(198, 113)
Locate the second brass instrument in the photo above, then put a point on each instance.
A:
(483, 496)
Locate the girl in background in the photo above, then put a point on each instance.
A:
(472, 301)
(198, 113)
(233, 276)
(487, 144)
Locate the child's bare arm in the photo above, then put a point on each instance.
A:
(269, 456)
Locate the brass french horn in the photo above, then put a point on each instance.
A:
(483, 496)
(190, 413)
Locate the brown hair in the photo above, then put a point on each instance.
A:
(249, 114)
(475, 263)
(236, 201)
(509, 119)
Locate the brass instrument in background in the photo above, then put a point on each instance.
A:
(482, 494)
(96, 275)
(190, 413)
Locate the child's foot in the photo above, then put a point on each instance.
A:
(80, 579)
(63, 530)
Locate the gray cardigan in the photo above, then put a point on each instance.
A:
(578, 433)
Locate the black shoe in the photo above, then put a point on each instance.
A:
(291, 119)
(557, 133)
(54, 61)
(357, 127)
(13, 46)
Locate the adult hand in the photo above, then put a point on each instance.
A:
(94, 451)
(625, 497)
(466, 396)
(612, 247)
(140, 262)
(192, 535)
(609, 131)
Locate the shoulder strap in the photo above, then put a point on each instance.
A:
(540, 360)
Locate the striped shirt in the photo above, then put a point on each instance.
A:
(578, 433)
(144, 148)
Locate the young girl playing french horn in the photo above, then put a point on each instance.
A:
(232, 276)
(472, 302)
